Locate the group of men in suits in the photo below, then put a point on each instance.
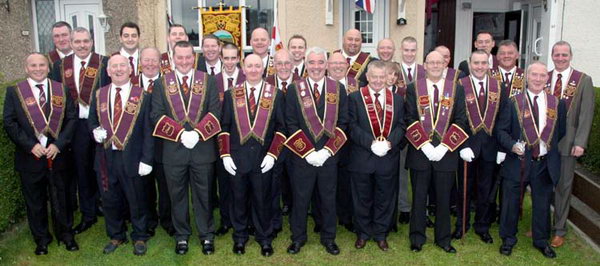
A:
(334, 135)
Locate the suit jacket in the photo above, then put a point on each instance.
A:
(579, 117)
(140, 146)
(248, 156)
(174, 153)
(221, 84)
(20, 131)
(416, 159)
(362, 159)
(294, 119)
(508, 131)
(102, 80)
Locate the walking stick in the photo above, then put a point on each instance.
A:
(464, 210)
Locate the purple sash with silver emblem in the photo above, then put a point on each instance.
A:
(530, 129)
(473, 113)
(426, 107)
(182, 114)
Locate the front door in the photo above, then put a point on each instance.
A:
(84, 13)
(531, 47)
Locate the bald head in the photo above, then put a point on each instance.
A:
(260, 41)
(37, 67)
(283, 63)
(118, 69)
(445, 53)
(352, 42)
(386, 49)
(434, 65)
(253, 68)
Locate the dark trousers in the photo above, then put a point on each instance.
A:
(442, 182)
(198, 177)
(278, 173)
(83, 154)
(374, 202)
(123, 191)
(480, 182)
(164, 201)
(344, 196)
(225, 197)
(305, 178)
(541, 194)
(37, 189)
(151, 198)
(253, 187)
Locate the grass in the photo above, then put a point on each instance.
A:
(16, 248)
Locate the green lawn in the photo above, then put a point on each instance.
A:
(16, 247)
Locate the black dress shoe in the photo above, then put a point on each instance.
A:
(83, 226)
(457, 234)
(139, 248)
(113, 245)
(224, 229)
(239, 248)
(404, 217)
(71, 245)
(547, 251)
(266, 250)
(41, 249)
(208, 247)
(181, 247)
(285, 210)
(486, 238)
(429, 223)
(448, 249)
(383, 245)
(360, 243)
(505, 250)
(416, 248)
(295, 247)
(332, 248)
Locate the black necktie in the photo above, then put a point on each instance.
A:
(481, 99)
(212, 70)
(536, 117)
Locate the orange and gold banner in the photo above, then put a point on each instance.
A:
(225, 23)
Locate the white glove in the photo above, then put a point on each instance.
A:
(323, 156)
(229, 165)
(380, 148)
(267, 164)
(439, 152)
(190, 139)
(313, 159)
(99, 134)
(428, 149)
(144, 169)
(467, 154)
(500, 157)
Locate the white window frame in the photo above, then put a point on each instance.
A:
(381, 25)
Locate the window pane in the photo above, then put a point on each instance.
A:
(45, 17)
(260, 14)
(183, 13)
(363, 21)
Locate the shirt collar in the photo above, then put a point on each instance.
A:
(234, 75)
(124, 53)
(412, 66)
(531, 94)
(565, 73)
(476, 80)
(86, 60)
(32, 83)
(257, 86)
(511, 71)
(124, 88)
(311, 82)
(352, 58)
(62, 55)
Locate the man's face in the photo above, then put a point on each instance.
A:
(507, 56)
(260, 42)
(253, 69)
(184, 59)
(283, 65)
(446, 54)
(537, 77)
(61, 37)
(119, 70)
(434, 66)
(130, 39)
(211, 49)
(385, 50)
(485, 42)
(561, 56)
(230, 60)
(479, 65)
(36, 67)
(352, 42)
(81, 44)
(177, 34)
(297, 48)
(377, 78)
(409, 52)
(150, 61)
(316, 66)
(337, 66)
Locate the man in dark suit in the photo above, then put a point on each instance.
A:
(260, 41)
(297, 48)
(355, 57)
(376, 130)
(316, 117)
(530, 126)
(129, 37)
(210, 62)
(483, 95)
(435, 111)
(83, 73)
(483, 41)
(186, 111)
(176, 33)
(61, 37)
(575, 88)
(120, 121)
(252, 138)
(39, 118)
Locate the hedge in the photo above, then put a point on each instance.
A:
(591, 159)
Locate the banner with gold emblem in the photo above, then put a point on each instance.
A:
(225, 23)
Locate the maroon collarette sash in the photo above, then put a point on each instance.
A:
(266, 104)
(35, 114)
(425, 107)
(351, 85)
(89, 80)
(53, 56)
(516, 82)
(451, 74)
(473, 113)
(402, 82)
(165, 64)
(359, 65)
(221, 83)
(119, 134)
(208, 127)
(309, 110)
(527, 122)
(299, 144)
(191, 114)
(569, 91)
(379, 131)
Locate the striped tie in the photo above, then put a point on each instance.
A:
(252, 101)
(117, 109)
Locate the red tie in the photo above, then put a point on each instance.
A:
(81, 73)
(558, 86)
(536, 113)
(132, 66)
(117, 108)
(316, 93)
(348, 60)
(252, 101)
(185, 86)
(42, 97)
(378, 108)
(284, 86)
(296, 71)
(481, 99)
(507, 78)
(150, 85)
(229, 82)
(212, 70)
(410, 77)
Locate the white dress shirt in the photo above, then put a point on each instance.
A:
(311, 83)
(84, 110)
(299, 67)
(61, 55)
(412, 69)
(380, 99)
(541, 101)
(36, 94)
(135, 55)
(566, 74)
(227, 76)
(125, 89)
(190, 76)
(257, 87)
(430, 91)
(352, 58)
(476, 84)
(510, 73)
(217, 67)
(288, 81)
(146, 80)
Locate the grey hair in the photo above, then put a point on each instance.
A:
(316, 50)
